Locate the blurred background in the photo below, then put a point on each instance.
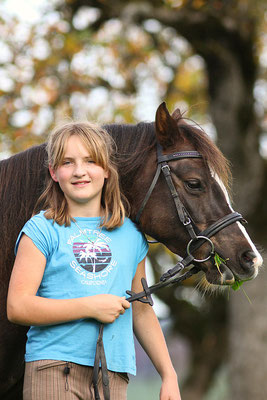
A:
(116, 61)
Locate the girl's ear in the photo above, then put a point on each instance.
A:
(106, 174)
(52, 173)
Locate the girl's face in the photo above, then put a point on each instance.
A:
(81, 179)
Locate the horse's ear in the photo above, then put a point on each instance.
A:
(166, 126)
(177, 114)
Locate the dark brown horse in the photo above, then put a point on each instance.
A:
(200, 182)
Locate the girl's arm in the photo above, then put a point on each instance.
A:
(149, 334)
(26, 308)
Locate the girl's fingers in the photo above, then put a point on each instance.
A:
(125, 303)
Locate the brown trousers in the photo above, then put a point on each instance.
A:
(48, 380)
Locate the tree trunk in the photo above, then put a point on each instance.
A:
(248, 341)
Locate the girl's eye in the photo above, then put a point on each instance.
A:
(194, 184)
(66, 162)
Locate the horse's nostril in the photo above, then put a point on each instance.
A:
(249, 265)
(247, 258)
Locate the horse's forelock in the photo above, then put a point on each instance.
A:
(210, 152)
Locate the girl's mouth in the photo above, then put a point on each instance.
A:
(80, 183)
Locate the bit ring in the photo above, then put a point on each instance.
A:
(199, 238)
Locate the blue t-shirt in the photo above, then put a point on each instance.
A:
(85, 260)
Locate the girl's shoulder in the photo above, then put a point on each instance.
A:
(133, 235)
(129, 224)
(40, 220)
(40, 230)
(39, 216)
(129, 227)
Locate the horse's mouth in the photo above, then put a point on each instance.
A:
(220, 275)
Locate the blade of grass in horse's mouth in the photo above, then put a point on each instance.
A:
(220, 261)
(220, 276)
(224, 274)
(237, 284)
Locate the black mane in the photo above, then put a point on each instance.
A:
(132, 141)
(18, 174)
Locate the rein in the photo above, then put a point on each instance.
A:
(196, 241)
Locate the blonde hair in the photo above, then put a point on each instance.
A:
(101, 148)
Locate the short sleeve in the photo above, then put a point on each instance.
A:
(40, 231)
(143, 247)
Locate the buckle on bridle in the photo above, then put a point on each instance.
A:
(165, 166)
(187, 221)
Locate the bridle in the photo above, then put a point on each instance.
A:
(196, 240)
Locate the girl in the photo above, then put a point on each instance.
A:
(74, 262)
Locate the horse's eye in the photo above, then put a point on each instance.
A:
(193, 184)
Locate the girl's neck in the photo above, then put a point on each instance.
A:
(86, 212)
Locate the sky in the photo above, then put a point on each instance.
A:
(29, 11)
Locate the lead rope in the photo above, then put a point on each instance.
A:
(100, 357)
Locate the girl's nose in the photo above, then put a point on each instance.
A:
(79, 169)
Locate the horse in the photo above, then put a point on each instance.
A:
(200, 177)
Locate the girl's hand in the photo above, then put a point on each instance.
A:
(169, 389)
(106, 308)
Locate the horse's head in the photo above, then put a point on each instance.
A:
(201, 186)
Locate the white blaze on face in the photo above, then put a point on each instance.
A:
(258, 258)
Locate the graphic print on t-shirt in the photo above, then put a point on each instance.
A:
(93, 260)
(92, 256)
